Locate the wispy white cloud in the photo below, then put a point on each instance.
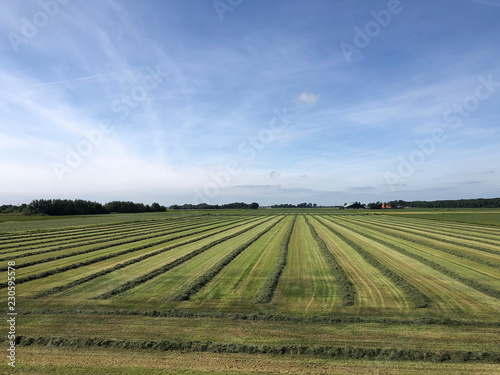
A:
(224, 82)
(307, 98)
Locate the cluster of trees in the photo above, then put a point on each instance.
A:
(81, 207)
(300, 205)
(131, 207)
(64, 207)
(457, 203)
(59, 207)
(205, 206)
(12, 209)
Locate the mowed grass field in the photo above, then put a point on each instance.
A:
(345, 292)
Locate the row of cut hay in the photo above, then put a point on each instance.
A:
(475, 236)
(420, 238)
(266, 292)
(416, 295)
(325, 351)
(473, 229)
(495, 293)
(346, 286)
(158, 271)
(130, 262)
(56, 246)
(71, 266)
(202, 280)
(117, 241)
(91, 231)
(444, 240)
(238, 283)
(374, 291)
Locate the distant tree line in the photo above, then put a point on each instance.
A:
(64, 207)
(300, 205)
(205, 206)
(131, 207)
(59, 207)
(12, 209)
(458, 203)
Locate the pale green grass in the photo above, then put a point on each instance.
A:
(307, 282)
(244, 276)
(374, 291)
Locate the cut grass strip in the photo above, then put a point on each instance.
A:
(97, 248)
(65, 237)
(266, 293)
(445, 240)
(158, 271)
(374, 291)
(125, 264)
(445, 231)
(418, 298)
(237, 347)
(70, 238)
(97, 259)
(200, 282)
(307, 283)
(346, 286)
(425, 240)
(238, 283)
(464, 280)
(134, 237)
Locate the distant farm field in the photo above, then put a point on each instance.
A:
(311, 285)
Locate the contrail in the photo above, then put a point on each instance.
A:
(75, 79)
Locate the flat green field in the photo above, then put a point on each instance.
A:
(349, 292)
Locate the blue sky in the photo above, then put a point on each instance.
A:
(279, 101)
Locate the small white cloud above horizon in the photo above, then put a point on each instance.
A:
(307, 98)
